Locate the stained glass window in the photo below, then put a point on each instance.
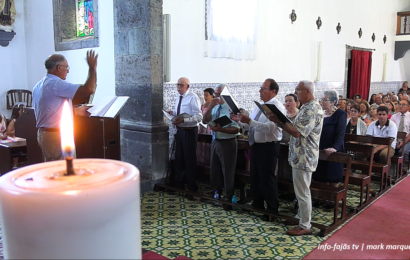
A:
(85, 18)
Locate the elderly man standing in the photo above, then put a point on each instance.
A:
(224, 146)
(264, 137)
(187, 135)
(49, 95)
(303, 151)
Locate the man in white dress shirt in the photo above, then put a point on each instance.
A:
(187, 135)
(264, 137)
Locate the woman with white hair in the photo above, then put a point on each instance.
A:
(373, 113)
(331, 140)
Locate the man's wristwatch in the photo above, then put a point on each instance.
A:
(280, 124)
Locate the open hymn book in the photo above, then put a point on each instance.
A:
(172, 118)
(108, 107)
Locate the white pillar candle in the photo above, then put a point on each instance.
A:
(94, 214)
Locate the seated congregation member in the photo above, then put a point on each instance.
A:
(396, 106)
(224, 147)
(208, 96)
(364, 112)
(303, 151)
(264, 137)
(357, 98)
(391, 108)
(372, 99)
(354, 124)
(399, 96)
(350, 102)
(378, 99)
(393, 98)
(373, 113)
(331, 140)
(404, 87)
(383, 127)
(9, 135)
(187, 135)
(385, 98)
(402, 121)
(343, 104)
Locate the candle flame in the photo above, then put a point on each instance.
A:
(67, 131)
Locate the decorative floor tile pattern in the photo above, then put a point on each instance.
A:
(173, 225)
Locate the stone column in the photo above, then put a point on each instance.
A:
(139, 74)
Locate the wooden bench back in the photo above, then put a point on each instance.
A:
(402, 136)
(371, 140)
(364, 149)
(344, 158)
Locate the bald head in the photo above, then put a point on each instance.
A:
(182, 85)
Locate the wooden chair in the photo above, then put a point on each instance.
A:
(379, 168)
(361, 179)
(398, 158)
(14, 96)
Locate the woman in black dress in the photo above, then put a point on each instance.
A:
(331, 140)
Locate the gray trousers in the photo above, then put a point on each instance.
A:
(223, 165)
(50, 144)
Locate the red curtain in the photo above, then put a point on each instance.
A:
(360, 73)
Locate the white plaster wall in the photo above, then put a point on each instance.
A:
(284, 51)
(13, 74)
(40, 44)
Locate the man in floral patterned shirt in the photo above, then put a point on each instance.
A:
(303, 151)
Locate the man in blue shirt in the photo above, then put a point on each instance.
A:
(224, 146)
(49, 95)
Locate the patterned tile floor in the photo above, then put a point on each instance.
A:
(173, 226)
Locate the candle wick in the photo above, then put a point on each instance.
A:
(70, 166)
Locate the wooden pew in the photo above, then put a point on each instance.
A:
(398, 158)
(6, 150)
(361, 179)
(379, 168)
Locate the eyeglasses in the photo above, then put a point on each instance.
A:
(217, 94)
(323, 100)
(401, 104)
(354, 111)
(356, 98)
(67, 67)
(179, 84)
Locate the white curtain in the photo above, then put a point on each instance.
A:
(231, 29)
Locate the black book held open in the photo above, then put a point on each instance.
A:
(268, 108)
(222, 121)
(231, 104)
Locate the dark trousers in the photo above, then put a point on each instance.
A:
(185, 158)
(223, 165)
(264, 184)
